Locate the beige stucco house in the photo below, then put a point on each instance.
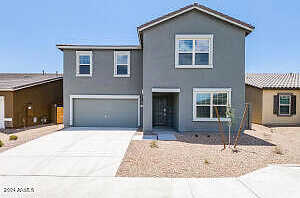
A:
(274, 98)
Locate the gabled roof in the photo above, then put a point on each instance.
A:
(16, 81)
(274, 81)
(247, 27)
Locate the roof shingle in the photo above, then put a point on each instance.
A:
(274, 80)
(14, 81)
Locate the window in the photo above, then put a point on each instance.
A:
(284, 104)
(84, 63)
(205, 101)
(194, 51)
(122, 64)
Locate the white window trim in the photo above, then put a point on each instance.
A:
(289, 105)
(194, 37)
(84, 53)
(116, 53)
(210, 91)
(133, 97)
(166, 90)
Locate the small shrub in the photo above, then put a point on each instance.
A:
(13, 137)
(1, 143)
(153, 144)
(206, 161)
(234, 150)
(278, 150)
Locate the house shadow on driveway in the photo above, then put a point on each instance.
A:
(215, 139)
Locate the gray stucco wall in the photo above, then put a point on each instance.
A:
(102, 81)
(159, 66)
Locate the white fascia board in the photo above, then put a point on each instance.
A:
(86, 47)
(106, 96)
(211, 89)
(166, 90)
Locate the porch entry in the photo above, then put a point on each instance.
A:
(165, 110)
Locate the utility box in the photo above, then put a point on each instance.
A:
(57, 114)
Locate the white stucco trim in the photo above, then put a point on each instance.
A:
(96, 47)
(166, 90)
(200, 9)
(210, 91)
(133, 97)
(84, 53)
(194, 37)
(126, 53)
(211, 120)
(8, 119)
(288, 105)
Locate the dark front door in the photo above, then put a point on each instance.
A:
(160, 111)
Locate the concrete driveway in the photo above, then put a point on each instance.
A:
(70, 152)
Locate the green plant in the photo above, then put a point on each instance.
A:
(1, 143)
(153, 144)
(13, 137)
(278, 150)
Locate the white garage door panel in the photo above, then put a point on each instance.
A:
(105, 112)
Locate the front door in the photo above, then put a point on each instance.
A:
(160, 111)
(1, 112)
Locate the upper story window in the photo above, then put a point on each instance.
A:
(284, 104)
(84, 63)
(122, 64)
(205, 100)
(194, 51)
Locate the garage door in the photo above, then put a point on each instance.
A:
(105, 112)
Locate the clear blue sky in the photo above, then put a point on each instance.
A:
(31, 29)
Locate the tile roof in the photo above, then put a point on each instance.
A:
(274, 81)
(203, 9)
(15, 81)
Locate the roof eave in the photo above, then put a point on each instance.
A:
(95, 47)
(247, 27)
(31, 84)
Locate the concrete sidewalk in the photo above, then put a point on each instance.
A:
(270, 182)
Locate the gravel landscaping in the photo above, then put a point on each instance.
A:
(25, 135)
(202, 156)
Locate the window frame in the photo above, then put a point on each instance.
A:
(116, 53)
(211, 91)
(209, 37)
(84, 53)
(289, 105)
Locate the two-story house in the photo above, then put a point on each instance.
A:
(188, 62)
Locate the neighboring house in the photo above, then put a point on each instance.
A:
(188, 61)
(26, 99)
(274, 98)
